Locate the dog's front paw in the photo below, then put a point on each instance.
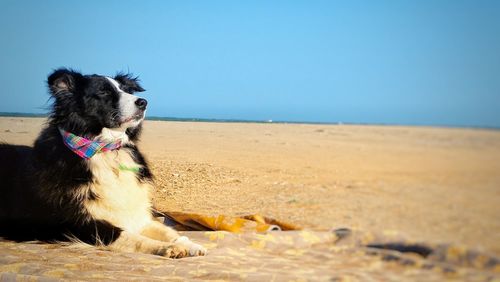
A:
(173, 251)
(193, 248)
(196, 250)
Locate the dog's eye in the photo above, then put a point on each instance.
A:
(128, 90)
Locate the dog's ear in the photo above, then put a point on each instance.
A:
(129, 83)
(63, 80)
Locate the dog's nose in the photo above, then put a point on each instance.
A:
(141, 103)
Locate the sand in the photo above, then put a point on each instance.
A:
(432, 184)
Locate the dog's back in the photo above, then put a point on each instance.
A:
(15, 165)
(16, 197)
(26, 212)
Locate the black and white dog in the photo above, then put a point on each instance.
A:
(85, 178)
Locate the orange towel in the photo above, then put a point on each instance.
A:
(250, 223)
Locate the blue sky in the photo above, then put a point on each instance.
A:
(398, 62)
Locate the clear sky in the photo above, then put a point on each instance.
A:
(431, 62)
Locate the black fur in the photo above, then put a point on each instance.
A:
(39, 185)
(144, 173)
(130, 84)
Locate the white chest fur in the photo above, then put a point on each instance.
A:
(122, 199)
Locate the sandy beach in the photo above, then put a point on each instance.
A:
(432, 184)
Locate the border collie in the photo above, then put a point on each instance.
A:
(85, 179)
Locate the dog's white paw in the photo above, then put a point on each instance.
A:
(194, 249)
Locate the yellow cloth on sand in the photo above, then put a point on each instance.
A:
(249, 223)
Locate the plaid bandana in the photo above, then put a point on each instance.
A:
(86, 148)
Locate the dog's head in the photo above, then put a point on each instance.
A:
(85, 104)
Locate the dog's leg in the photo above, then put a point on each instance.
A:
(129, 242)
(110, 237)
(158, 231)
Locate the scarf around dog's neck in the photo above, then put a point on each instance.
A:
(86, 148)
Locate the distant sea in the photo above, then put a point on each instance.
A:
(32, 115)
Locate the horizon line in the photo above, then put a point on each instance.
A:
(270, 121)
